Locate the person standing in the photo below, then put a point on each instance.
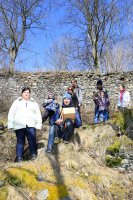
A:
(123, 98)
(77, 90)
(96, 95)
(74, 97)
(24, 118)
(103, 105)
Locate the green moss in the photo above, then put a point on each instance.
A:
(123, 120)
(28, 179)
(114, 148)
(14, 181)
(118, 120)
(3, 193)
(3, 175)
(112, 161)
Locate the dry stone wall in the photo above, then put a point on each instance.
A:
(42, 83)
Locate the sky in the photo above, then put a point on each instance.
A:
(34, 50)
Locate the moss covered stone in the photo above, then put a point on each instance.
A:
(112, 161)
(113, 149)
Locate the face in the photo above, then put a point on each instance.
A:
(26, 95)
(74, 84)
(99, 86)
(66, 102)
(50, 96)
(120, 87)
(70, 90)
(102, 94)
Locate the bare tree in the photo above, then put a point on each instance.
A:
(60, 54)
(119, 58)
(17, 17)
(95, 20)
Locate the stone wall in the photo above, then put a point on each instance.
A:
(42, 83)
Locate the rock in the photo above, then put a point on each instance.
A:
(125, 161)
(86, 174)
(131, 168)
(2, 183)
(42, 194)
(125, 165)
(83, 170)
(122, 170)
(40, 177)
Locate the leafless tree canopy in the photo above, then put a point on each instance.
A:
(95, 20)
(16, 18)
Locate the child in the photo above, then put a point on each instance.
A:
(96, 95)
(50, 106)
(103, 107)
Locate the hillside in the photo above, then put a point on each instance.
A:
(96, 165)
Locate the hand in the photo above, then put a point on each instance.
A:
(49, 100)
(117, 110)
(59, 121)
(11, 130)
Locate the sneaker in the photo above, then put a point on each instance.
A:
(57, 140)
(66, 141)
(61, 140)
(33, 157)
(18, 159)
(48, 151)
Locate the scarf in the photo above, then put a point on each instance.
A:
(121, 94)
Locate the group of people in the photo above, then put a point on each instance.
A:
(25, 117)
(102, 103)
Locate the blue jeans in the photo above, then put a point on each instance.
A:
(53, 132)
(96, 117)
(22, 134)
(56, 131)
(103, 115)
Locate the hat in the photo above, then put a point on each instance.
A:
(99, 82)
(66, 95)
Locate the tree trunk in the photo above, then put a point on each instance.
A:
(95, 58)
(13, 55)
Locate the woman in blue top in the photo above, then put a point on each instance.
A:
(58, 128)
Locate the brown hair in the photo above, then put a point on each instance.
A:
(70, 88)
(26, 88)
(74, 80)
(122, 85)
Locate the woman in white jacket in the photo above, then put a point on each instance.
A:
(24, 118)
(123, 98)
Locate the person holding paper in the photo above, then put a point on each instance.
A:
(62, 127)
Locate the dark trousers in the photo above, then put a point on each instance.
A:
(22, 134)
(64, 132)
(68, 129)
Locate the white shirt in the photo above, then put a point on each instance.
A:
(125, 100)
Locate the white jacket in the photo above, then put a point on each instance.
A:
(24, 113)
(125, 100)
